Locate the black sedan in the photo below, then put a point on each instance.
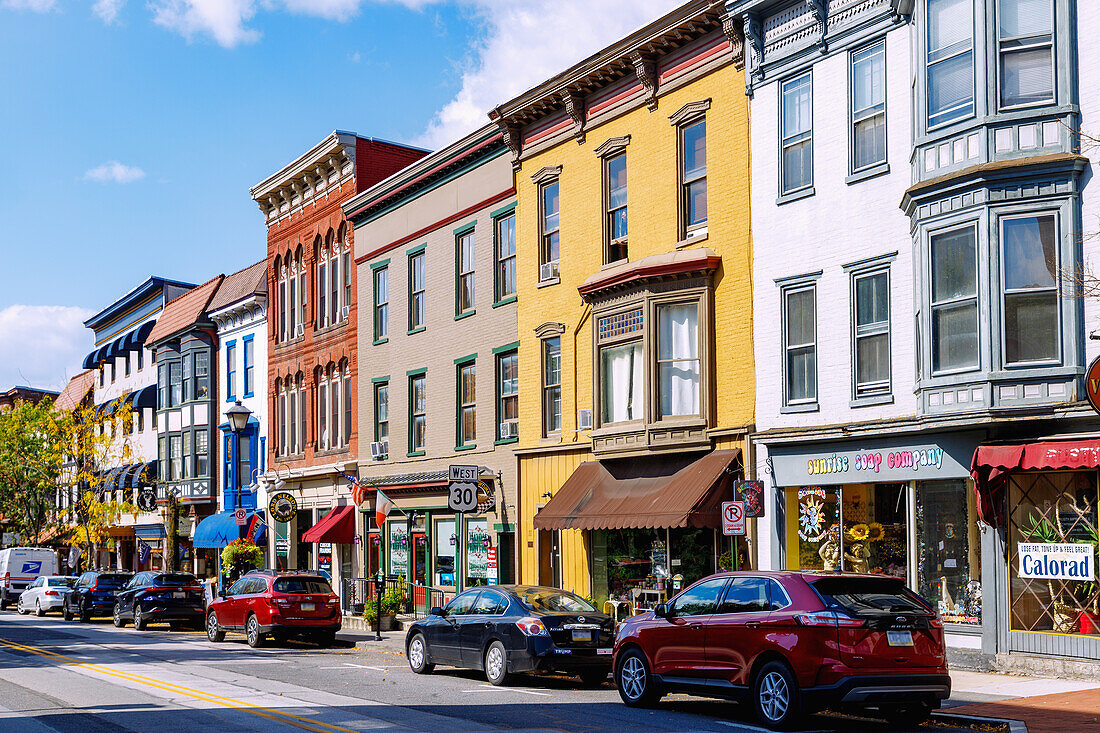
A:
(152, 597)
(507, 629)
(93, 595)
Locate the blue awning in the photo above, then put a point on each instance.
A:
(150, 531)
(89, 360)
(126, 477)
(151, 471)
(116, 348)
(101, 355)
(146, 397)
(217, 531)
(141, 334)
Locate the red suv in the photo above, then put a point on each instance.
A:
(791, 643)
(276, 603)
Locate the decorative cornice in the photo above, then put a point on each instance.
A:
(645, 67)
(546, 173)
(549, 329)
(514, 140)
(754, 41)
(689, 112)
(735, 35)
(611, 146)
(574, 107)
(819, 9)
(655, 267)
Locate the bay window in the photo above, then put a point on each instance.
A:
(950, 61)
(622, 381)
(1029, 262)
(678, 361)
(954, 305)
(1025, 45)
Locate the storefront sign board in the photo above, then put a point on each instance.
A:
(751, 493)
(1056, 561)
(282, 506)
(1092, 384)
(282, 547)
(871, 460)
(733, 518)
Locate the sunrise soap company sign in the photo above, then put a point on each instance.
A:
(1052, 561)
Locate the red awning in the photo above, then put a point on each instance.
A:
(993, 463)
(337, 527)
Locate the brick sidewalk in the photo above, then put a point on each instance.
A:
(1064, 712)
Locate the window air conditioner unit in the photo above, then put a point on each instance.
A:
(548, 270)
(509, 430)
(299, 330)
(584, 419)
(379, 449)
(344, 311)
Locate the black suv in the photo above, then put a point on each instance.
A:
(153, 597)
(93, 595)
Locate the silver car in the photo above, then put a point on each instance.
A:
(46, 593)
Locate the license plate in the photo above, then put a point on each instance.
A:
(308, 606)
(603, 651)
(179, 594)
(899, 638)
(582, 635)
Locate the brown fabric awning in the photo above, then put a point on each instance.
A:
(627, 495)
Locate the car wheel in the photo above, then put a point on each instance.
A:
(66, 612)
(19, 607)
(214, 631)
(139, 619)
(3, 601)
(776, 696)
(637, 688)
(418, 656)
(593, 677)
(38, 609)
(85, 614)
(116, 617)
(496, 664)
(252, 633)
(909, 716)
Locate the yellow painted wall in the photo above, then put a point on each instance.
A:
(652, 184)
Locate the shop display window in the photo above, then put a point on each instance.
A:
(477, 552)
(949, 550)
(398, 549)
(1052, 552)
(859, 528)
(445, 546)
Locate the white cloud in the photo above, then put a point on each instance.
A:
(108, 10)
(43, 345)
(223, 19)
(35, 6)
(114, 172)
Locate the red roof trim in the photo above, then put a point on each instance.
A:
(642, 272)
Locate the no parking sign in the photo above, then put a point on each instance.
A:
(733, 518)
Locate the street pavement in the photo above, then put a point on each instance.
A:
(92, 678)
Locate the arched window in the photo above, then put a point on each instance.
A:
(300, 383)
(300, 303)
(345, 258)
(345, 371)
(321, 259)
(280, 278)
(280, 416)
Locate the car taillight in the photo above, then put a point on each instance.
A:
(532, 627)
(95, 585)
(829, 618)
(157, 590)
(52, 593)
(7, 578)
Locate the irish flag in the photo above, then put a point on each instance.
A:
(382, 507)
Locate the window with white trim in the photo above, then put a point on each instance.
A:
(868, 106)
(1030, 272)
(549, 221)
(800, 344)
(954, 306)
(381, 303)
(1025, 46)
(615, 209)
(796, 126)
(949, 63)
(871, 332)
(693, 176)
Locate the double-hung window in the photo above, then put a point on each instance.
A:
(950, 60)
(622, 382)
(796, 170)
(417, 292)
(302, 414)
(381, 303)
(175, 384)
(345, 433)
(693, 176)
(548, 251)
(322, 413)
(186, 462)
(506, 257)
(322, 285)
(1029, 262)
(615, 208)
(464, 272)
(678, 362)
(800, 344)
(382, 412)
(231, 371)
(467, 404)
(202, 453)
(288, 437)
(954, 306)
(249, 351)
(418, 408)
(1025, 44)
(175, 457)
(869, 106)
(871, 332)
(508, 395)
(202, 375)
(551, 385)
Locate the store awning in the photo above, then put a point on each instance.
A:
(145, 397)
(598, 496)
(150, 531)
(136, 338)
(217, 531)
(993, 463)
(89, 360)
(338, 527)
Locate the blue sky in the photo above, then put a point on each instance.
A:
(131, 131)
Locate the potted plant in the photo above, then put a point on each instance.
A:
(393, 598)
(239, 557)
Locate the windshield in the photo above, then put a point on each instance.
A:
(302, 585)
(869, 596)
(551, 599)
(174, 579)
(62, 582)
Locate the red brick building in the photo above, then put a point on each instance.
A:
(313, 367)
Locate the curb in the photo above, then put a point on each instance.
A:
(1014, 726)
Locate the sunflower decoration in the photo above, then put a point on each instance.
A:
(875, 532)
(859, 532)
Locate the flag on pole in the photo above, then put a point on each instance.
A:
(144, 551)
(382, 507)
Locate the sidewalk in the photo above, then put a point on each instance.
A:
(1042, 704)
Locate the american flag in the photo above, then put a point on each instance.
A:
(144, 550)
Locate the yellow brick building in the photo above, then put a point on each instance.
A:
(658, 293)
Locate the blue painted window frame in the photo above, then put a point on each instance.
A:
(230, 370)
(248, 356)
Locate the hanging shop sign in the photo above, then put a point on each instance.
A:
(147, 501)
(1056, 561)
(874, 461)
(282, 506)
(751, 494)
(1092, 384)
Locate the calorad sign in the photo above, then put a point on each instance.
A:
(1055, 561)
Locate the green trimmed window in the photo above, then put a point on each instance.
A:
(417, 292)
(506, 256)
(464, 272)
(467, 404)
(381, 303)
(508, 395)
(382, 412)
(418, 408)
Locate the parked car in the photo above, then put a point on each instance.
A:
(279, 604)
(44, 594)
(153, 596)
(507, 629)
(94, 595)
(19, 566)
(790, 643)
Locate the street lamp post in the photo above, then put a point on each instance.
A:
(237, 415)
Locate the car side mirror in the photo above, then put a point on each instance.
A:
(437, 611)
(661, 610)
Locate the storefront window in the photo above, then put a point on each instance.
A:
(865, 533)
(640, 568)
(398, 549)
(949, 550)
(1052, 552)
(445, 541)
(477, 552)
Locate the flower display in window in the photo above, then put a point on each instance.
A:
(875, 532)
(859, 532)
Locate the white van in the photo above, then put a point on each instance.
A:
(19, 566)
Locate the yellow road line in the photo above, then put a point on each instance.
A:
(277, 715)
